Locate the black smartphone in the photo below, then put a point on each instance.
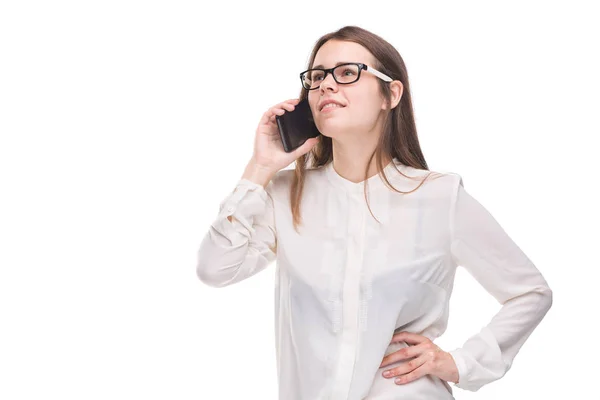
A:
(296, 127)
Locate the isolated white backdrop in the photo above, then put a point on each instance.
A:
(125, 123)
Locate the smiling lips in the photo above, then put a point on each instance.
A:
(330, 107)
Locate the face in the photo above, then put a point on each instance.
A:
(362, 101)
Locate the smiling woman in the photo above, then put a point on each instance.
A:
(367, 251)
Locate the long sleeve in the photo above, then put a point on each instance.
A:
(484, 249)
(232, 251)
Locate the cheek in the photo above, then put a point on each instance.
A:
(362, 109)
(362, 101)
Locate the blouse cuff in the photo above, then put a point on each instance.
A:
(247, 200)
(463, 369)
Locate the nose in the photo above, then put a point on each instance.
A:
(328, 83)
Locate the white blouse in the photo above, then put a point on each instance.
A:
(345, 282)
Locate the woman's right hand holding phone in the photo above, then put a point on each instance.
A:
(269, 154)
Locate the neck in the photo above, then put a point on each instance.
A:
(350, 163)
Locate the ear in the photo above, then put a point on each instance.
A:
(397, 88)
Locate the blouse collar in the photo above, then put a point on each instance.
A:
(373, 183)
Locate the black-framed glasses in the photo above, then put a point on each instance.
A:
(343, 74)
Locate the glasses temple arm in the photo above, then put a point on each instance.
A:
(379, 74)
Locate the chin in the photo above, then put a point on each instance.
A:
(333, 133)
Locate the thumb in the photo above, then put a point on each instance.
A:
(306, 146)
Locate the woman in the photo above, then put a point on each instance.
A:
(367, 241)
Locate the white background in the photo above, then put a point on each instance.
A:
(124, 124)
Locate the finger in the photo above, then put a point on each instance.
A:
(273, 119)
(276, 111)
(405, 368)
(287, 103)
(288, 106)
(413, 375)
(409, 337)
(402, 354)
(305, 147)
(270, 114)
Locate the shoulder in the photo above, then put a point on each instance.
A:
(442, 186)
(441, 182)
(446, 185)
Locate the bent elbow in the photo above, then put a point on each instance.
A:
(547, 298)
(211, 276)
(203, 274)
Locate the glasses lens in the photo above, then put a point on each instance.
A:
(346, 73)
(312, 78)
(343, 74)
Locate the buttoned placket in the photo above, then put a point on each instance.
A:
(351, 295)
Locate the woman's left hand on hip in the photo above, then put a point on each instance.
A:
(428, 359)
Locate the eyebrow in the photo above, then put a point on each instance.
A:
(338, 63)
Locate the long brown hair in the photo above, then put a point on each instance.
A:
(399, 137)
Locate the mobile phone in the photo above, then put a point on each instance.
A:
(296, 127)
